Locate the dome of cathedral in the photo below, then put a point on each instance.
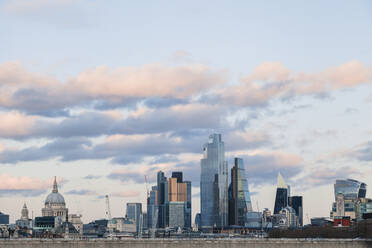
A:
(55, 198)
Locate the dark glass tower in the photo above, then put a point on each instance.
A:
(296, 203)
(162, 199)
(239, 196)
(282, 194)
(178, 175)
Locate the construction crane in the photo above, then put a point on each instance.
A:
(108, 214)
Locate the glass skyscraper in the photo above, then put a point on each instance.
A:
(162, 186)
(351, 189)
(297, 204)
(213, 184)
(282, 194)
(239, 197)
(350, 199)
(152, 207)
(134, 211)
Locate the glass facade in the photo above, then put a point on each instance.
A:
(152, 203)
(351, 189)
(134, 211)
(213, 184)
(281, 199)
(4, 219)
(176, 214)
(350, 199)
(282, 195)
(162, 199)
(296, 203)
(239, 197)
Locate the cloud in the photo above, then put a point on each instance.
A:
(14, 124)
(125, 194)
(262, 167)
(363, 152)
(92, 177)
(324, 175)
(127, 149)
(127, 176)
(273, 80)
(24, 186)
(34, 6)
(65, 149)
(161, 86)
(81, 192)
(34, 93)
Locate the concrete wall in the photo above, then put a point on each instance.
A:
(164, 243)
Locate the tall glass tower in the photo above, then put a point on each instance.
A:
(239, 197)
(213, 184)
(282, 194)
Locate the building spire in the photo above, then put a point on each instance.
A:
(55, 187)
(281, 182)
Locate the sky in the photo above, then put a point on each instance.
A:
(103, 93)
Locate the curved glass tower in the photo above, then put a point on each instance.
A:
(350, 188)
(213, 184)
(239, 197)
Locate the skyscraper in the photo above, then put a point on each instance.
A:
(152, 207)
(134, 211)
(239, 196)
(296, 203)
(162, 185)
(282, 194)
(213, 184)
(351, 189)
(350, 199)
(179, 193)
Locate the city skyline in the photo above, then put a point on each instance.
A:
(102, 95)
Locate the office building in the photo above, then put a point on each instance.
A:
(296, 203)
(162, 187)
(350, 200)
(179, 192)
(4, 219)
(176, 214)
(134, 212)
(282, 194)
(239, 196)
(178, 175)
(213, 184)
(152, 208)
(350, 189)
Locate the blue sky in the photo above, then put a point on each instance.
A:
(114, 90)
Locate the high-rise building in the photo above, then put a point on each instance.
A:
(296, 203)
(165, 200)
(350, 189)
(4, 219)
(152, 207)
(162, 186)
(282, 194)
(134, 212)
(179, 192)
(350, 200)
(188, 213)
(213, 184)
(178, 175)
(176, 214)
(239, 196)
